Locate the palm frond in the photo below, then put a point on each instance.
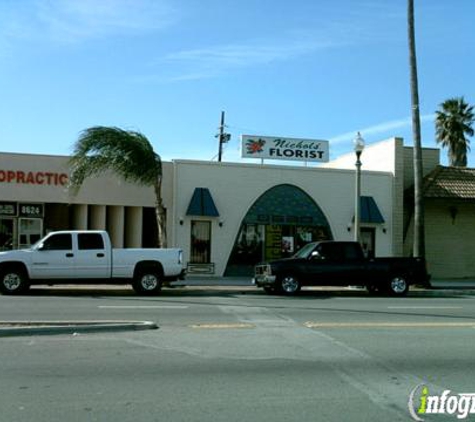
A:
(127, 153)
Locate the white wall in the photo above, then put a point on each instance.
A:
(392, 156)
(384, 156)
(105, 190)
(235, 187)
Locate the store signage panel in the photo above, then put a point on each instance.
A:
(278, 148)
(31, 210)
(8, 209)
(33, 177)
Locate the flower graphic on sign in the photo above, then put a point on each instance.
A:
(254, 147)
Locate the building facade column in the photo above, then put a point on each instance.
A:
(80, 217)
(133, 227)
(97, 217)
(115, 225)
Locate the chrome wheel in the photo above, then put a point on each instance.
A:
(290, 284)
(13, 282)
(398, 286)
(149, 282)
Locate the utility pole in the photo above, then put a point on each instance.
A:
(222, 137)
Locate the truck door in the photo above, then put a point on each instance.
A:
(54, 258)
(92, 258)
(336, 263)
(320, 268)
(353, 268)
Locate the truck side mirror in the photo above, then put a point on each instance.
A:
(316, 255)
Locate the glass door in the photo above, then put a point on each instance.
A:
(368, 241)
(200, 242)
(30, 231)
(7, 234)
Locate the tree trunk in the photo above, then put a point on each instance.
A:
(419, 242)
(161, 215)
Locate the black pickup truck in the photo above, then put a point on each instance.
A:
(332, 263)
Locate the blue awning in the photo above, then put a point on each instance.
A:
(202, 204)
(370, 212)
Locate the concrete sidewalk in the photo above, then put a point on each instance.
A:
(439, 284)
(453, 283)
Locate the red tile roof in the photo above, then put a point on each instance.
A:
(450, 182)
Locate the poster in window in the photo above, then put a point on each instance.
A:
(287, 244)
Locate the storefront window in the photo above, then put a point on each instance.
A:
(200, 242)
(29, 231)
(249, 245)
(278, 224)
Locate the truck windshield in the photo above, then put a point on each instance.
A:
(305, 251)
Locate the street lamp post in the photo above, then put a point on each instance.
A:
(358, 147)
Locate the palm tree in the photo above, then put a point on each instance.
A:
(419, 241)
(453, 122)
(127, 153)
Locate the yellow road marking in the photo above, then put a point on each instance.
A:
(310, 324)
(222, 326)
(425, 307)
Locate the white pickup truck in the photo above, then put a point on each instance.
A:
(87, 257)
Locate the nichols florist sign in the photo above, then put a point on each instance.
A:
(278, 148)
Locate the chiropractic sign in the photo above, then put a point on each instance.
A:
(33, 177)
(279, 148)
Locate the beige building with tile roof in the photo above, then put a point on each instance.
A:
(450, 183)
(449, 198)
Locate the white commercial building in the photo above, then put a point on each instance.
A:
(225, 216)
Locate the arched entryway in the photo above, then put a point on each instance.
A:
(278, 224)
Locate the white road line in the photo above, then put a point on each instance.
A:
(311, 324)
(142, 307)
(425, 307)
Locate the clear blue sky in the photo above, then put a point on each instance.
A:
(321, 69)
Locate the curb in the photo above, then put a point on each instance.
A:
(28, 328)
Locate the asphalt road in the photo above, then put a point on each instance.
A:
(235, 354)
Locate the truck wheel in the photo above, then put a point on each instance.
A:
(289, 284)
(13, 281)
(398, 285)
(147, 282)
